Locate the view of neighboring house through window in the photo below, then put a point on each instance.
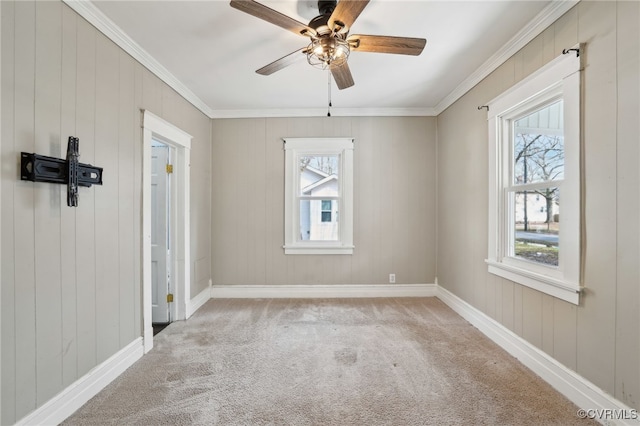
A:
(319, 191)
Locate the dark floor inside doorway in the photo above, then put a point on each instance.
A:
(157, 327)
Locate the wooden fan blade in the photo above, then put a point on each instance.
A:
(342, 76)
(346, 12)
(273, 16)
(387, 44)
(283, 62)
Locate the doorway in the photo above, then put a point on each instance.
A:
(166, 279)
(161, 254)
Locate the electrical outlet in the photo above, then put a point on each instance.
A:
(392, 278)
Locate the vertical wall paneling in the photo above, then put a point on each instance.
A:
(126, 197)
(200, 196)
(218, 214)
(152, 92)
(246, 159)
(85, 212)
(628, 226)
(257, 192)
(365, 203)
(384, 177)
(565, 345)
(0, 222)
(401, 179)
(532, 55)
(566, 31)
(274, 182)
(24, 212)
(137, 205)
(532, 316)
(7, 258)
(547, 324)
(517, 309)
(548, 44)
(508, 300)
(490, 307)
(68, 224)
(107, 199)
(596, 318)
(1, 82)
(48, 301)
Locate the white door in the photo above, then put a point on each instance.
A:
(160, 259)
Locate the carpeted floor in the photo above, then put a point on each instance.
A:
(326, 362)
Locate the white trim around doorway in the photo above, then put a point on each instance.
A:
(157, 128)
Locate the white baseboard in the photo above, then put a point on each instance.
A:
(322, 291)
(196, 303)
(587, 396)
(61, 406)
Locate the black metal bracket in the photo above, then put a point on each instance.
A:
(483, 107)
(567, 51)
(40, 168)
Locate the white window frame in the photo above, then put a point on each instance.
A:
(294, 149)
(559, 79)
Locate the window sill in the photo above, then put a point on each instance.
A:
(552, 286)
(317, 249)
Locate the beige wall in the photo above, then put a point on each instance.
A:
(394, 208)
(599, 339)
(71, 277)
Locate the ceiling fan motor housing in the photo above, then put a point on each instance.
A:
(321, 22)
(326, 7)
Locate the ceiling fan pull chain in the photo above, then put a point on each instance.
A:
(329, 89)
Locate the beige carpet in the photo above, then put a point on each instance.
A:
(326, 362)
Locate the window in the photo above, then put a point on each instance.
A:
(326, 211)
(318, 185)
(534, 163)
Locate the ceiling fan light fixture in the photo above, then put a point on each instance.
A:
(323, 52)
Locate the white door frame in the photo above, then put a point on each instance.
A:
(154, 127)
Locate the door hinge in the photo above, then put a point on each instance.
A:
(169, 168)
(169, 298)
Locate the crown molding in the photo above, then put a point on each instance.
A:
(322, 112)
(534, 28)
(95, 17)
(542, 21)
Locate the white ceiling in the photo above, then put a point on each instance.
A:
(209, 52)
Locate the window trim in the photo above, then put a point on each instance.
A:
(294, 148)
(560, 76)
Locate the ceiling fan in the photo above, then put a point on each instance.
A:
(330, 42)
